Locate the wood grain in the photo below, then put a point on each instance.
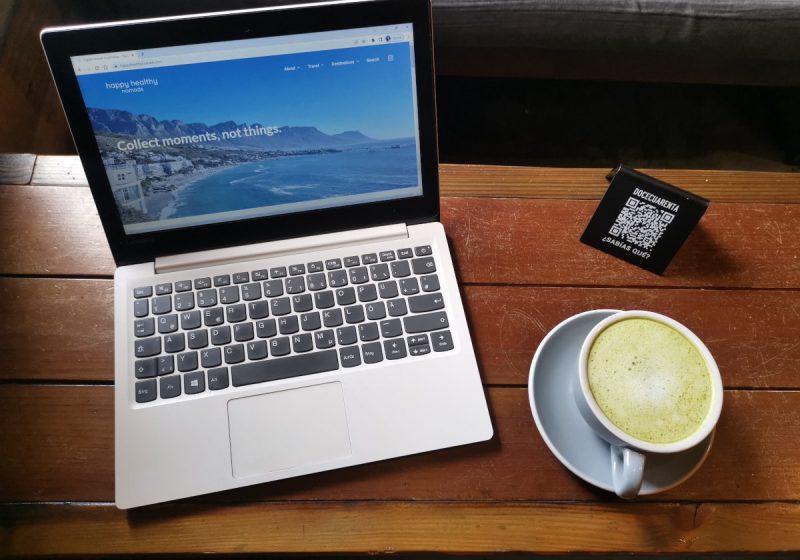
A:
(58, 446)
(390, 528)
(63, 329)
(16, 169)
(56, 231)
(65, 171)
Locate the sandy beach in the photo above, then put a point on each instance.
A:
(161, 204)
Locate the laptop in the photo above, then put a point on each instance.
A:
(285, 301)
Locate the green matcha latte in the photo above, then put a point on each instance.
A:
(649, 380)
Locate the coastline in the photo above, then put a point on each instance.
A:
(167, 200)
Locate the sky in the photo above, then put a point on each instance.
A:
(373, 98)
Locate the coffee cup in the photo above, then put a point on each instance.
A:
(646, 384)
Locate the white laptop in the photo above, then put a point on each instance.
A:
(285, 300)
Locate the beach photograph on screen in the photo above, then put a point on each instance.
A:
(256, 136)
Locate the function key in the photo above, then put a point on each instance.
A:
(241, 277)
(202, 283)
(315, 266)
(277, 272)
(333, 264)
(222, 280)
(423, 250)
(260, 274)
(351, 261)
(387, 256)
(183, 285)
(404, 253)
(296, 269)
(143, 291)
(370, 258)
(163, 289)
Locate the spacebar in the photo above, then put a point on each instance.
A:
(281, 368)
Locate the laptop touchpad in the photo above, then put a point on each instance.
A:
(288, 429)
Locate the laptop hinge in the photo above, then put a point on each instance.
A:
(215, 257)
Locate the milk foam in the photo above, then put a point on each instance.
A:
(649, 380)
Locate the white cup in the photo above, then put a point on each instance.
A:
(628, 453)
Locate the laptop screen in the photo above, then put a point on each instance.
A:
(219, 132)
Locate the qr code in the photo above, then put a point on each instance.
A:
(640, 223)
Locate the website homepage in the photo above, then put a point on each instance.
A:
(228, 131)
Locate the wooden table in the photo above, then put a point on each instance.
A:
(515, 234)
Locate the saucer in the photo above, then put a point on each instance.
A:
(565, 432)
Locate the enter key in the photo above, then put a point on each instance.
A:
(426, 302)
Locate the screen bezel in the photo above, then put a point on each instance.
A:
(61, 44)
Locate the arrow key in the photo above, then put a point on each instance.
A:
(442, 341)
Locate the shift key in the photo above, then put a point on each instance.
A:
(426, 322)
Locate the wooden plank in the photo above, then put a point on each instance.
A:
(389, 528)
(56, 231)
(58, 446)
(590, 183)
(16, 169)
(65, 171)
(754, 335)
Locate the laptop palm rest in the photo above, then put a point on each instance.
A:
(288, 429)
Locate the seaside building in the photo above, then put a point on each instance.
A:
(125, 183)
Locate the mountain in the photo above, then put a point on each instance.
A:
(114, 121)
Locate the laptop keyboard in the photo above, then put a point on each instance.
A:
(210, 333)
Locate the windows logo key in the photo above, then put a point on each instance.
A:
(643, 220)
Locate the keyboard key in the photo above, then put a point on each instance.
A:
(316, 282)
(345, 296)
(387, 289)
(426, 302)
(197, 339)
(350, 357)
(143, 291)
(379, 272)
(351, 261)
(279, 346)
(222, 280)
(236, 313)
(400, 269)
(359, 275)
(429, 283)
(145, 391)
(166, 365)
(375, 311)
(332, 317)
(280, 306)
(316, 266)
(372, 353)
(218, 378)
(302, 342)
(234, 353)
(242, 332)
(258, 309)
(419, 350)
(367, 292)
(207, 298)
(297, 269)
(423, 250)
(202, 283)
(417, 339)
(288, 325)
(442, 341)
(184, 302)
(251, 291)
(394, 349)
(241, 277)
(162, 304)
(346, 335)
(167, 324)
(141, 307)
(144, 327)
(163, 289)
(409, 286)
(405, 253)
(145, 368)
(333, 264)
(391, 328)
(386, 256)
(354, 314)
(183, 285)
(266, 329)
(277, 272)
(425, 265)
(213, 317)
(291, 366)
(170, 387)
(310, 321)
(337, 278)
(368, 332)
(324, 339)
(295, 285)
(220, 335)
(229, 294)
(262, 274)
(396, 307)
(370, 258)
(194, 383)
(323, 300)
(273, 288)
(256, 350)
(302, 303)
(174, 342)
(427, 322)
(190, 320)
(210, 358)
(187, 361)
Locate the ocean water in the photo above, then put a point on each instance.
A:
(299, 179)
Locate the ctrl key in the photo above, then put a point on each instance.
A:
(145, 391)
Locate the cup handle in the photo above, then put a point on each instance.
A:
(627, 471)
